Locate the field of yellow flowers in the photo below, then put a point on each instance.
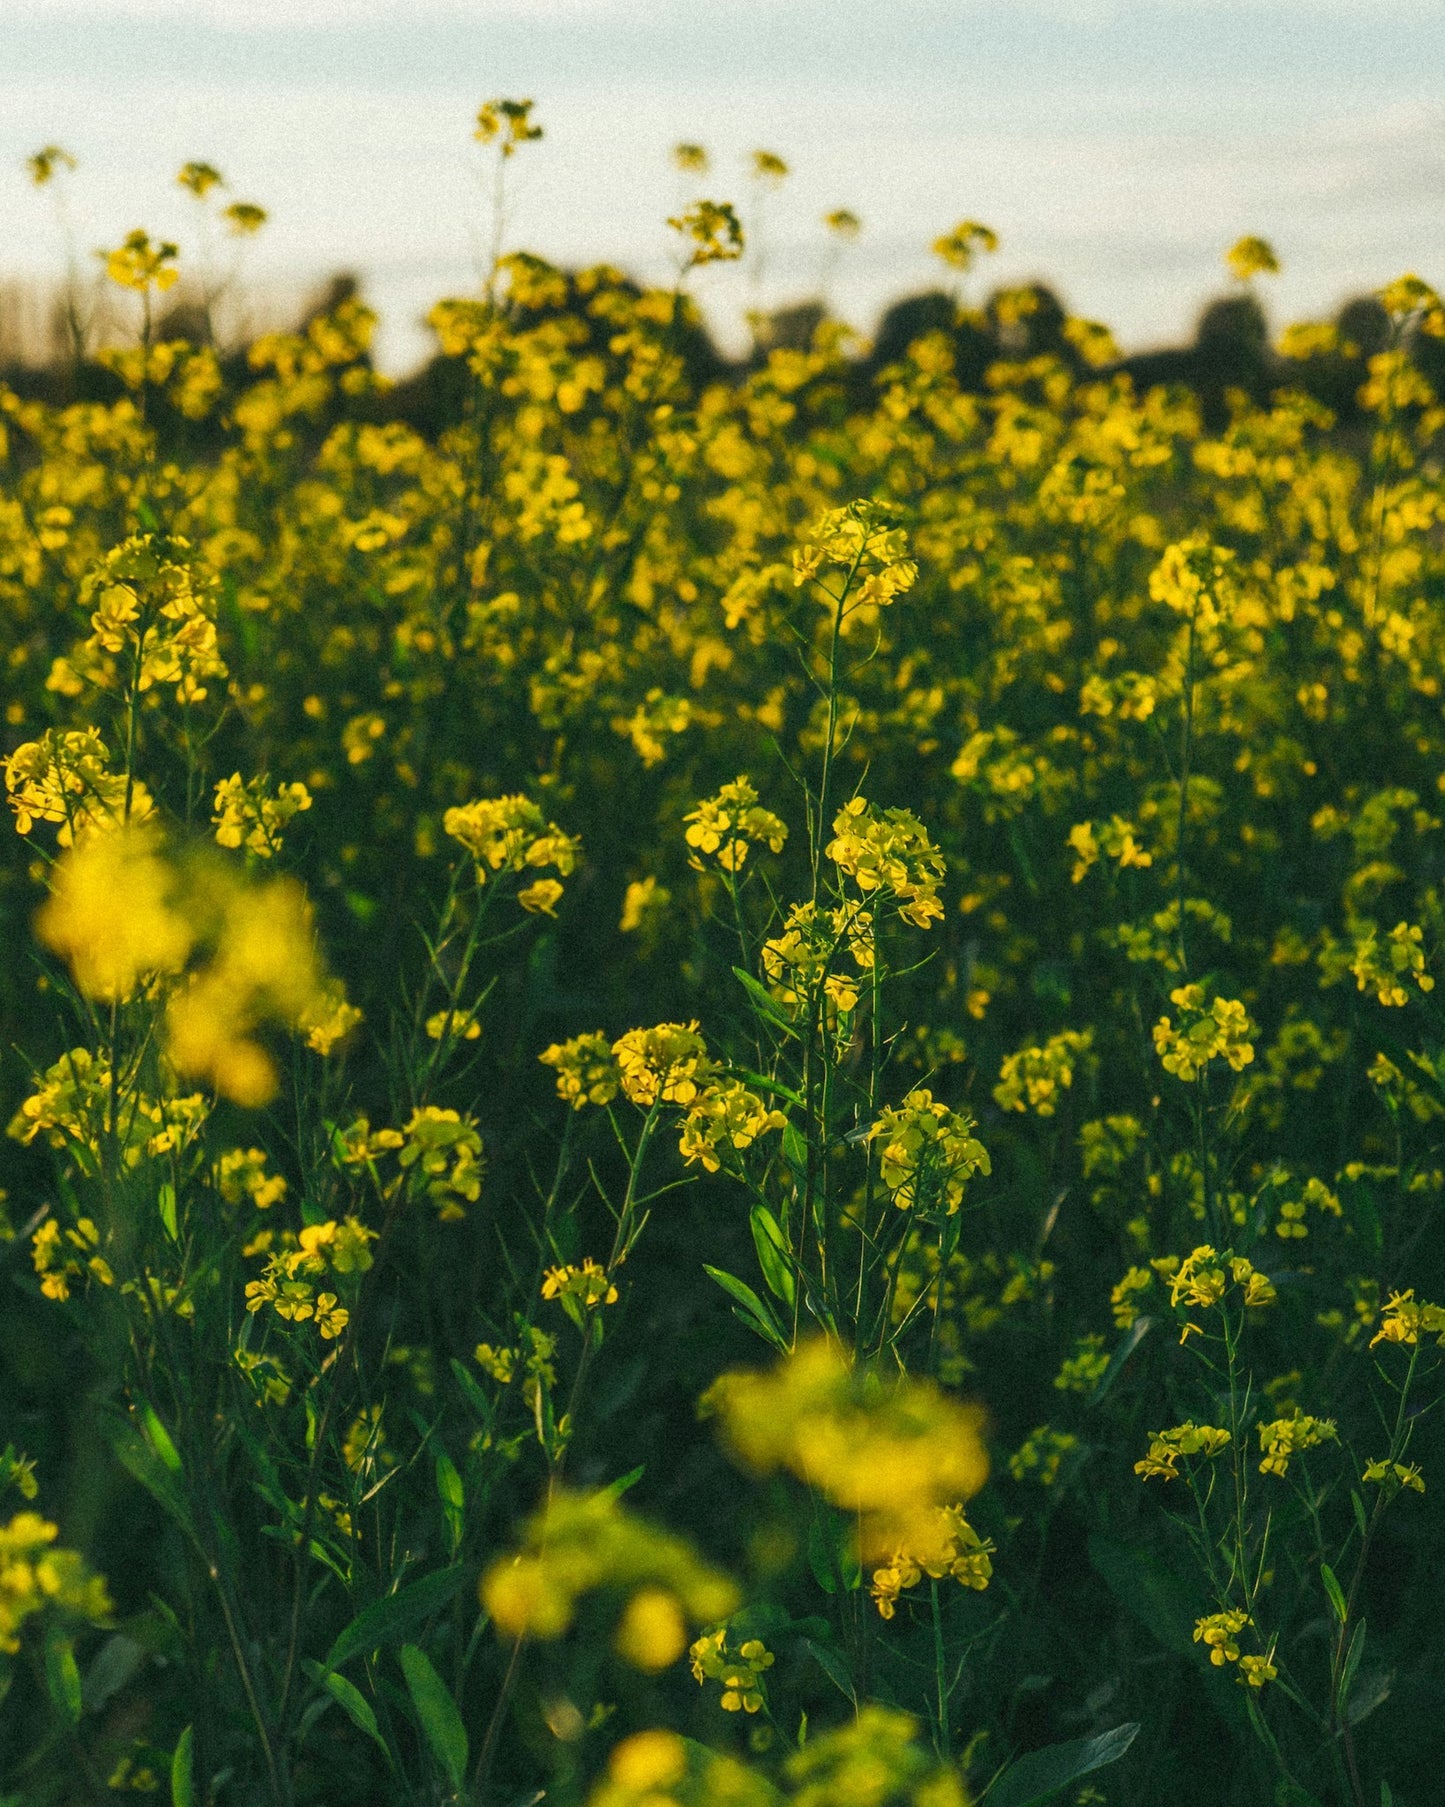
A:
(724, 1084)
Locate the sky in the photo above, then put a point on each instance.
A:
(1117, 146)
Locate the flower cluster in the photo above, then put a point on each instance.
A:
(724, 827)
(586, 1068)
(949, 1547)
(1218, 1031)
(723, 1119)
(802, 957)
(1167, 1448)
(1033, 1078)
(511, 835)
(927, 1154)
(667, 1064)
(579, 1544)
(289, 1282)
(888, 852)
(248, 814)
(739, 1672)
(35, 1577)
(1219, 1633)
(889, 1455)
(1283, 1438)
(1385, 969)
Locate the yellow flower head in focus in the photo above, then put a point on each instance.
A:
(1218, 1031)
(724, 827)
(1168, 1448)
(927, 1154)
(739, 1670)
(65, 778)
(889, 852)
(665, 1064)
(725, 1118)
(246, 814)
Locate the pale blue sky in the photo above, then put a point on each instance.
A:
(1118, 146)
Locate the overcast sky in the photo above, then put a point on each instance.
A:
(1118, 146)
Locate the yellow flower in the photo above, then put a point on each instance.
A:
(1394, 1475)
(712, 232)
(111, 914)
(1219, 1633)
(725, 1118)
(890, 1454)
(738, 1670)
(586, 1287)
(587, 1071)
(1284, 1438)
(36, 1577)
(1033, 1078)
(141, 263)
(1251, 257)
(653, 1632)
(1218, 1032)
(928, 1153)
(579, 1543)
(959, 247)
(663, 1064)
(644, 904)
(725, 826)
(1166, 1448)
(889, 852)
(245, 815)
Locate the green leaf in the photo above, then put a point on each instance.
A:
(62, 1678)
(437, 1713)
(183, 1770)
(166, 1200)
(1387, 1799)
(1359, 1506)
(614, 1490)
(1138, 1330)
(1335, 1592)
(159, 1439)
(142, 1464)
(1041, 1774)
(772, 1247)
(387, 1621)
(754, 1314)
(452, 1495)
(1352, 1660)
(1370, 1691)
(831, 1662)
(774, 1088)
(1154, 1594)
(353, 1703)
(763, 1001)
